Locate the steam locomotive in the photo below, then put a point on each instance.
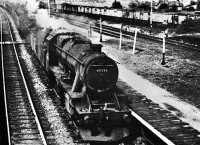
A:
(85, 79)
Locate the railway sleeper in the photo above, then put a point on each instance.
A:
(11, 107)
(17, 99)
(20, 141)
(164, 121)
(183, 141)
(16, 93)
(22, 118)
(19, 114)
(179, 136)
(23, 126)
(13, 122)
(26, 136)
(163, 124)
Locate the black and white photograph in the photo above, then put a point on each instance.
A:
(100, 72)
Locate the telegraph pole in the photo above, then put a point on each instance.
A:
(49, 8)
(151, 13)
(163, 51)
(100, 29)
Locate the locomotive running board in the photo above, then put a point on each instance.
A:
(17, 42)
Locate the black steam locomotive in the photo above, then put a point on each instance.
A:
(85, 78)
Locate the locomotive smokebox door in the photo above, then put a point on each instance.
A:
(101, 75)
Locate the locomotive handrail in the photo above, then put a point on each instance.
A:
(69, 54)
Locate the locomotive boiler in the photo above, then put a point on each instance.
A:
(85, 78)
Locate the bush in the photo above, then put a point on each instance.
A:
(116, 5)
(191, 9)
(193, 3)
(132, 6)
(198, 6)
(145, 6)
(164, 6)
(174, 8)
(189, 26)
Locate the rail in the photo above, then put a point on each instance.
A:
(115, 32)
(24, 81)
(5, 100)
(141, 120)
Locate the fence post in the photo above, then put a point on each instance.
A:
(31, 38)
(33, 42)
(100, 30)
(90, 29)
(163, 51)
(120, 37)
(134, 43)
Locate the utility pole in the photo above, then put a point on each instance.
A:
(151, 13)
(49, 8)
(163, 51)
(120, 37)
(100, 25)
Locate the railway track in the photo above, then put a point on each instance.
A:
(23, 123)
(33, 111)
(115, 32)
(157, 125)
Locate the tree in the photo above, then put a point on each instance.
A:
(174, 8)
(198, 6)
(133, 5)
(191, 9)
(145, 6)
(163, 6)
(189, 26)
(116, 5)
(193, 3)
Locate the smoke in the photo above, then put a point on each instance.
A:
(32, 6)
(43, 20)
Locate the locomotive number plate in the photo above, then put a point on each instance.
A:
(101, 70)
